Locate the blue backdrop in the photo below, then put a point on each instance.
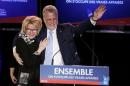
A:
(78, 10)
(17, 8)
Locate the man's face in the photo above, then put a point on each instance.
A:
(51, 21)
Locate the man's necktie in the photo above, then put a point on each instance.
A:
(49, 50)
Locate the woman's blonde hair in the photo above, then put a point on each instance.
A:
(34, 20)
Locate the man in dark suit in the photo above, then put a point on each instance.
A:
(64, 48)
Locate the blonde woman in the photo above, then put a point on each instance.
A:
(29, 51)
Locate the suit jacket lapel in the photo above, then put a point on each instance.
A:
(60, 35)
(44, 33)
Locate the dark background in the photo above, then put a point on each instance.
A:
(107, 45)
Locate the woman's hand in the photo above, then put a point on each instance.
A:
(13, 78)
(42, 45)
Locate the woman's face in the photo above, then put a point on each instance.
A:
(31, 31)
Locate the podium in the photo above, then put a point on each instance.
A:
(75, 74)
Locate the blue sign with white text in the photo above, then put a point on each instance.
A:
(89, 75)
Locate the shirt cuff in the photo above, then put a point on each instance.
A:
(92, 21)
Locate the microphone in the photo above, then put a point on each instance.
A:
(54, 56)
(94, 56)
(55, 53)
